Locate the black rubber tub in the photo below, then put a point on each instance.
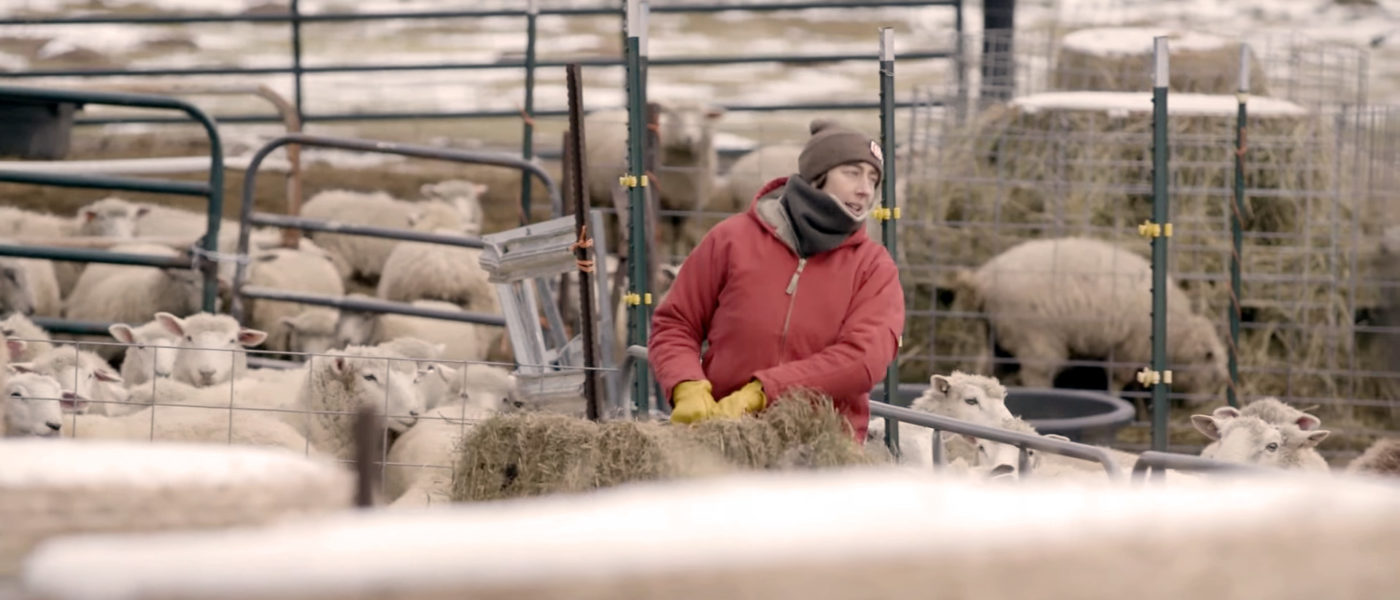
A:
(1080, 415)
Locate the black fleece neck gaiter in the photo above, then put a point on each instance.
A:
(818, 220)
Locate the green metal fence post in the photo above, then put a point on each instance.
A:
(639, 297)
(888, 212)
(527, 143)
(1236, 232)
(1159, 229)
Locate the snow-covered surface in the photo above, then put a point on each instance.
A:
(1131, 41)
(82, 463)
(646, 528)
(1124, 103)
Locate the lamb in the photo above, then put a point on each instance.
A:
(963, 396)
(110, 217)
(210, 347)
(1052, 299)
(82, 374)
(1382, 458)
(1299, 431)
(129, 294)
(36, 339)
(29, 286)
(464, 341)
(419, 469)
(32, 405)
(422, 271)
(291, 326)
(687, 162)
(150, 351)
(1251, 440)
(364, 256)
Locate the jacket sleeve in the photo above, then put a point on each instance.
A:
(682, 321)
(867, 343)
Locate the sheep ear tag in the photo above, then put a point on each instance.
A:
(875, 150)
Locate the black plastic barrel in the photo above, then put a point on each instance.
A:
(35, 130)
(1080, 415)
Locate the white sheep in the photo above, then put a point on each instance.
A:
(364, 256)
(462, 195)
(149, 353)
(1381, 458)
(29, 286)
(336, 386)
(755, 169)
(189, 424)
(36, 339)
(132, 294)
(686, 159)
(1251, 440)
(291, 326)
(33, 405)
(1294, 424)
(419, 469)
(211, 347)
(463, 341)
(482, 386)
(422, 271)
(1050, 300)
(90, 381)
(110, 217)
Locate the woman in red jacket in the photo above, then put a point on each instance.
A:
(790, 294)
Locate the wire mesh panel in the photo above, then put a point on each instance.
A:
(1049, 160)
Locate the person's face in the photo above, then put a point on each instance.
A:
(853, 185)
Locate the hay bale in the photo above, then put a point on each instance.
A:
(1119, 59)
(535, 453)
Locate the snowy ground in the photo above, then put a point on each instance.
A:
(727, 33)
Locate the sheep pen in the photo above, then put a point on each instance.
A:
(535, 453)
(1080, 163)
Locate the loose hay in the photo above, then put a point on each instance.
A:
(1119, 59)
(535, 453)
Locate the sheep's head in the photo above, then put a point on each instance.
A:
(211, 347)
(353, 328)
(312, 330)
(1197, 347)
(15, 291)
(33, 405)
(687, 127)
(150, 349)
(1272, 410)
(1296, 431)
(187, 286)
(372, 379)
(974, 398)
(1247, 440)
(110, 217)
(1003, 461)
(463, 195)
(79, 375)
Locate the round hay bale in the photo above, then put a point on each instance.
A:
(535, 453)
(1119, 59)
(57, 487)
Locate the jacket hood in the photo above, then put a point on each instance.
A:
(775, 219)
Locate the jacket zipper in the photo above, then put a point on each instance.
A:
(792, 301)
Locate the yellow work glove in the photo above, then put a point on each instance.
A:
(691, 401)
(747, 399)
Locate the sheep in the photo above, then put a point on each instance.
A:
(291, 326)
(17, 222)
(84, 375)
(422, 271)
(464, 341)
(209, 347)
(188, 424)
(364, 256)
(974, 398)
(1382, 458)
(1052, 299)
(462, 195)
(150, 351)
(131, 294)
(419, 469)
(33, 405)
(335, 387)
(1299, 431)
(754, 170)
(482, 386)
(687, 162)
(1251, 440)
(36, 339)
(29, 286)
(110, 217)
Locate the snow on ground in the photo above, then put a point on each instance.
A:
(1123, 103)
(657, 528)
(1136, 41)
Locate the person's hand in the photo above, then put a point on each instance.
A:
(691, 401)
(747, 399)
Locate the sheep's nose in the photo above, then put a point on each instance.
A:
(1003, 469)
(412, 413)
(54, 425)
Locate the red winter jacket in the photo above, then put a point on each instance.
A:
(830, 323)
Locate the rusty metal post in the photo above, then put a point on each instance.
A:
(577, 187)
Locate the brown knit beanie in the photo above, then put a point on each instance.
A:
(831, 145)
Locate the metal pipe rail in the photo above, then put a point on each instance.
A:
(1161, 461)
(212, 190)
(369, 305)
(1023, 441)
(406, 235)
